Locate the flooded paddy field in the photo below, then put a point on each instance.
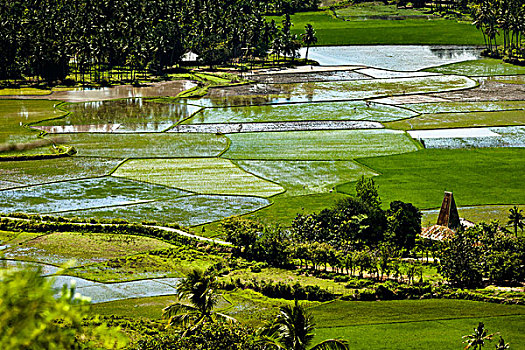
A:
(292, 141)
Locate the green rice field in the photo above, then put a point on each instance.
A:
(421, 177)
(200, 175)
(318, 145)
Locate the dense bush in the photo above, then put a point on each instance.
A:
(281, 290)
(8, 224)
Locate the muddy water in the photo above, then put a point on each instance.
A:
(103, 292)
(398, 57)
(129, 115)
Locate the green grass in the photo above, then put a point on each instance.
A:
(289, 277)
(305, 177)
(40, 171)
(459, 120)
(200, 175)
(253, 308)
(416, 324)
(483, 67)
(477, 176)
(137, 307)
(376, 9)
(16, 113)
(355, 110)
(187, 211)
(130, 114)
(177, 261)
(82, 194)
(317, 145)
(24, 91)
(457, 107)
(332, 31)
(59, 248)
(147, 145)
(285, 209)
(13, 238)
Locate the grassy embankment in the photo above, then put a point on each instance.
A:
(334, 31)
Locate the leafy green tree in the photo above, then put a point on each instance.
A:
(477, 339)
(309, 38)
(293, 329)
(404, 224)
(33, 318)
(200, 289)
(366, 191)
(242, 233)
(516, 219)
(460, 260)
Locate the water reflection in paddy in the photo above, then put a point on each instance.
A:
(169, 88)
(398, 57)
(129, 115)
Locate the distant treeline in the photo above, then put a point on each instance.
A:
(51, 39)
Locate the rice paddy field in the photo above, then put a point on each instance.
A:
(289, 144)
(268, 151)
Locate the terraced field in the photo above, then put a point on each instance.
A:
(291, 142)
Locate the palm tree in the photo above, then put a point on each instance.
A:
(293, 329)
(309, 38)
(477, 339)
(516, 219)
(200, 289)
(502, 345)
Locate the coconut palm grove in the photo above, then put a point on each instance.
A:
(262, 174)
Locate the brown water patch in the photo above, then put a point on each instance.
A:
(167, 88)
(406, 99)
(488, 90)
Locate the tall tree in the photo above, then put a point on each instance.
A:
(309, 38)
(516, 219)
(200, 289)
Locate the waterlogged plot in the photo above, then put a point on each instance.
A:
(318, 145)
(338, 90)
(482, 67)
(168, 88)
(100, 293)
(510, 136)
(458, 107)
(303, 76)
(277, 126)
(82, 194)
(200, 175)
(187, 211)
(477, 176)
(351, 110)
(460, 120)
(147, 145)
(382, 73)
(399, 57)
(361, 89)
(33, 172)
(130, 115)
(303, 177)
(59, 248)
(14, 114)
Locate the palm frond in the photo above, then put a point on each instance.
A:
(332, 344)
(225, 317)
